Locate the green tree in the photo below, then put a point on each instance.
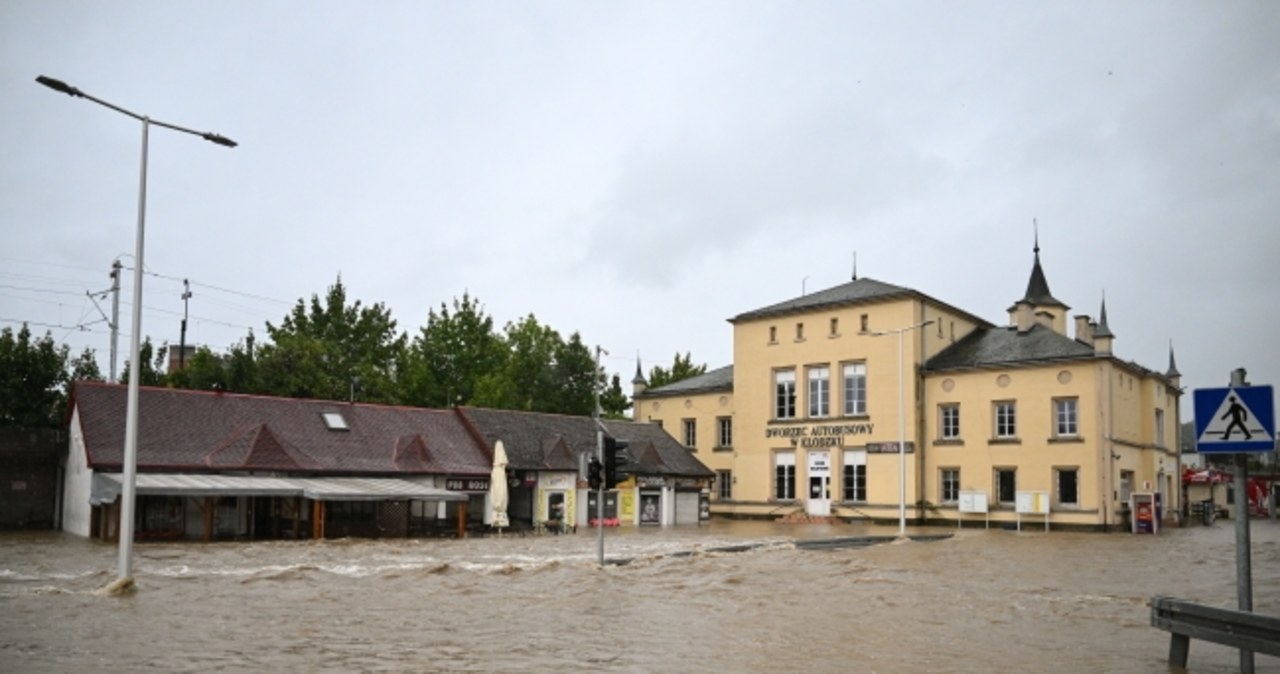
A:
(575, 378)
(613, 402)
(33, 379)
(451, 355)
(241, 368)
(525, 380)
(153, 364)
(203, 371)
(682, 368)
(330, 349)
(35, 376)
(85, 367)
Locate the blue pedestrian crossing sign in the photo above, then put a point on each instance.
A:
(1232, 420)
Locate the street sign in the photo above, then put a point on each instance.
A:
(1235, 420)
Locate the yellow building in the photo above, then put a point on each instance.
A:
(874, 401)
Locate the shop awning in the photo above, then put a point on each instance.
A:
(108, 486)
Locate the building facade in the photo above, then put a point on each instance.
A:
(214, 465)
(874, 401)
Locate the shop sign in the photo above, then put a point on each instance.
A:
(819, 464)
(467, 484)
(819, 435)
(650, 481)
(889, 447)
(688, 483)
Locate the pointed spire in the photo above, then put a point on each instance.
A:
(1173, 366)
(1038, 287)
(1103, 330)
(639, 378)
(855, 266)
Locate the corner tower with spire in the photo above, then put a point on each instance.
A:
(1038, 305)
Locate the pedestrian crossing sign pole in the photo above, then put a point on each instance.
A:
(1238, 420)
(1235, 419)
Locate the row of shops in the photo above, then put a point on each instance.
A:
(216, 466)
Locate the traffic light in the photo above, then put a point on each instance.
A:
(615, 461)
(594, 476)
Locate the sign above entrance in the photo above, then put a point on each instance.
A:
(1236, 419)
(467, 484)
(889, 447)
(825, 435)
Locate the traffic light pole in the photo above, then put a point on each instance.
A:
(600, 458)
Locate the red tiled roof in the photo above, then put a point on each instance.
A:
(191, 430)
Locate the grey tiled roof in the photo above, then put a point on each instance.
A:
(540, 441)
(1006, 346)
(860, 291)
(853, 292)
(202, 430)
(720, 379)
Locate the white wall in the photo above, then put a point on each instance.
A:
(79, 478)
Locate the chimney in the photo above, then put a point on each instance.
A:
(1084, 329)
(1023, 317)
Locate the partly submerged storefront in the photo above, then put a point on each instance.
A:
(250, 507)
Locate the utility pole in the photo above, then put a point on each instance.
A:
(115, 314)
(182, 339)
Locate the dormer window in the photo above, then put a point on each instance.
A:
(334, 421)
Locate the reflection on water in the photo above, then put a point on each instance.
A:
(980, 601)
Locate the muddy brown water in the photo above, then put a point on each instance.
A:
(980, 601)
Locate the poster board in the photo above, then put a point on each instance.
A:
(1032, 503)
(973, 502)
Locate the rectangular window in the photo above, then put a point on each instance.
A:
(819, 391)
(854, 485)
(1159, 428)
(784, 476)
(799, 331)
(773, 334)
(1066, 422)
(855, 389)
(1126, 485)
(949, 421)
(1068, 487)
(724, 484)
(784, 396)
(1006, 419)
(864, 323)
(950, 485)
(725, 425)
(1006, 486)
(835, 327)
(691, 433)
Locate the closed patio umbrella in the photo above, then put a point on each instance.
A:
(498, 496)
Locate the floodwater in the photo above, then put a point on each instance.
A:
(981, 601)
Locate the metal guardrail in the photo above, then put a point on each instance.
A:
(1185, 621)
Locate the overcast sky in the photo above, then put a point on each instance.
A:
(640, 172)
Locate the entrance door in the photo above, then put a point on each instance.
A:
(819, 497)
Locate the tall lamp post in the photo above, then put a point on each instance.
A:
(130, 467)
(902, 425)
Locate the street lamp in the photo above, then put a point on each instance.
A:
(130, 467)
(902, 426)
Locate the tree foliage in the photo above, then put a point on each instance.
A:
(153, 364)
(681, 368)
(34, 377)
(331, 349)
(450, 356)
(613, 402)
